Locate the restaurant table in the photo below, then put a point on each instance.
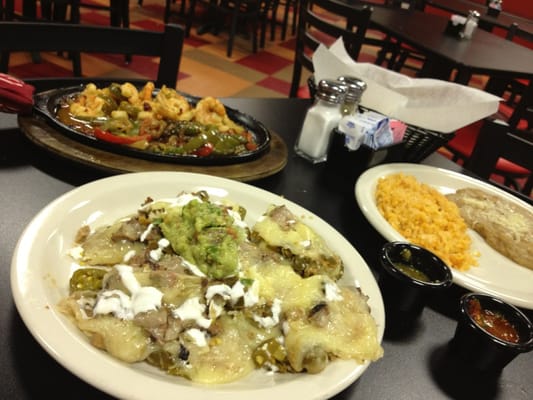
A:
(485, 53)
(414, 366)
(503, 20)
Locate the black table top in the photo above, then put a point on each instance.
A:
(414, 366)
(503, 20)
(484, 53)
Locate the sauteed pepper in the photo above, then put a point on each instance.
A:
(120, 139)
(162, 122)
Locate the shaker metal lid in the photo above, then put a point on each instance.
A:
(354, 87)
(330, 91)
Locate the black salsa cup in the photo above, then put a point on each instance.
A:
(485, 351)
(405, 292)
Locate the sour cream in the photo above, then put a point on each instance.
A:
(234, 293)
(158, 253)
(198, 336)
(237, 220)
(193, 309)
(118, 303)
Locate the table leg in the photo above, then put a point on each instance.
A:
(214, 22)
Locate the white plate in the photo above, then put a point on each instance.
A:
(496, 274)
(41, 268)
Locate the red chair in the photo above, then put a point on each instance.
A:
(498, 141)
(521, 117)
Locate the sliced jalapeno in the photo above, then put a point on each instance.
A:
(87, 279)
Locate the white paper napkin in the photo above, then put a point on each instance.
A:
(427, 103)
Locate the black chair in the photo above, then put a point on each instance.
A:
(498, 140)
(287, 6)
(43, 36)
(516, 87)
(395, 54)
(170, 10)
(316, 26)
(240, 13)
(464, 144)
(119, 11)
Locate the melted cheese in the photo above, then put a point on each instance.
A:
(299, 239)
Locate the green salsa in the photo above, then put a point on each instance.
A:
(412, 272)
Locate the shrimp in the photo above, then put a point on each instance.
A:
(209, 111)
(170, 104)
(146, 92)
(89, 104)
(130, 92)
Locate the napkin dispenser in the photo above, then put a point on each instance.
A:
(455, 27)
(462, 27)
(494, 7)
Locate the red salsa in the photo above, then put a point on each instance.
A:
(493, 322)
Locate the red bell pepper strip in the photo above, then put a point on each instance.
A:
(250, 144)
(109, 137)
(205, 150)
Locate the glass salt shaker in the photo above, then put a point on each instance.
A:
(321, 118)
(470, 24)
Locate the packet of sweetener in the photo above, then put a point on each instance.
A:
(372, 129)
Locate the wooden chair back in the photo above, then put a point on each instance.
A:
(323, 22)
(45, 36)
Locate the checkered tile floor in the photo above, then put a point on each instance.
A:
(205, 69)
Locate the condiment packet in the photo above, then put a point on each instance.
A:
(372, 129)
(398, 130)
(16, 96)
(379, 133)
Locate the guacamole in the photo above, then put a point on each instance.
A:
(205, 235)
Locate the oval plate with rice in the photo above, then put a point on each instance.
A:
(495, 274)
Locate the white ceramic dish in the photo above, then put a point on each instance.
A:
(496, 274)
(41, 268)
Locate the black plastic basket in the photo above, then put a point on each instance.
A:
(418, 143)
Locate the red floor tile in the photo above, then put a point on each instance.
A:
(149, 25)
(94, 18)
(275, 84)
(265, 62)
(195, 41)
(140, 64)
